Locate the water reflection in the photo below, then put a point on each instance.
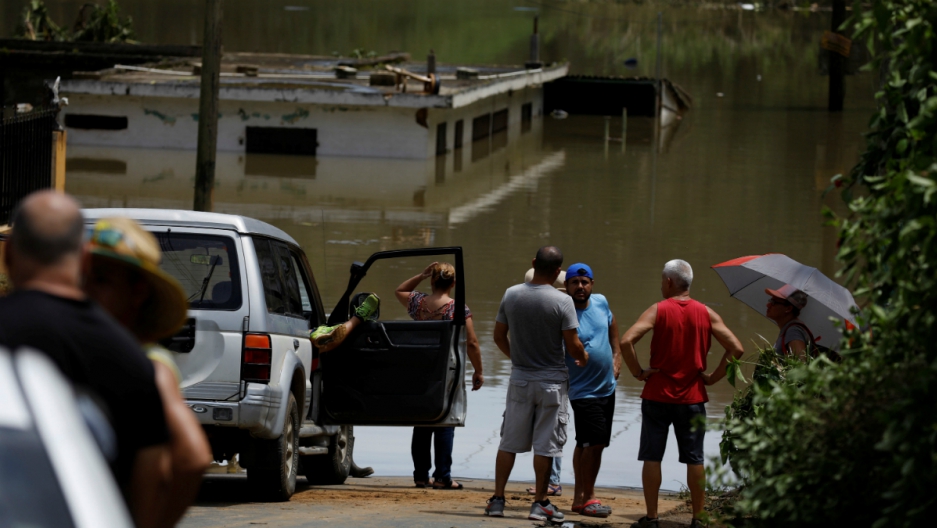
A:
(732, 182)
(743, 174)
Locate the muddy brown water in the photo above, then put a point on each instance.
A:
(743, 173)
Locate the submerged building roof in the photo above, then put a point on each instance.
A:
(310, 79)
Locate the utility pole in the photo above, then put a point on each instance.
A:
(837, 61)
(534, 61)
(208, 108)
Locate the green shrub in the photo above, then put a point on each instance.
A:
(856, 442)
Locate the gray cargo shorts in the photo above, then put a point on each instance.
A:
(535, 416)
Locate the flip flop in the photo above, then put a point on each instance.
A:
(447, 485)
(594, 508)
(552, 491)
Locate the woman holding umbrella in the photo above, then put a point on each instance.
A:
(784, 306)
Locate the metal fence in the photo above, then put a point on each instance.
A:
(25, 156)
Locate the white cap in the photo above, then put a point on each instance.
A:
(559, 283)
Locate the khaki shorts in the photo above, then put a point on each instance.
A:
(535, 416)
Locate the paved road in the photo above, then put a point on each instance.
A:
(392, 501)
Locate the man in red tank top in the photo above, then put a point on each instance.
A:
(675, 384)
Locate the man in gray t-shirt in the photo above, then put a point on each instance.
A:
(540, 321)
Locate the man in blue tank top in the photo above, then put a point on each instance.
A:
(592, 386)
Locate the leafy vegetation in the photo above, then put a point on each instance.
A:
(37, 25)
(856, 441)
(95, 23)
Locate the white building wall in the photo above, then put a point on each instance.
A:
(357, 131)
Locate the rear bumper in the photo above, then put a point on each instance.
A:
(257, 412)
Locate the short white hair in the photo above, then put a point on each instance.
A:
(680, 272)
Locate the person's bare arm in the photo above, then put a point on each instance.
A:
(616, 347)
(189, 449)
(727, 339)
(642, 326)
(149, 485)
(574, 347)
(474, 354)
(406, 287)
(501, 338)
(798, 348)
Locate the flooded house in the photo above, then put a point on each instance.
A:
(308, 105)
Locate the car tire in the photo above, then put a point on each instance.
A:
(334, 467)
(272, 476)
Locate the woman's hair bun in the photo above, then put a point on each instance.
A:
(443, 275)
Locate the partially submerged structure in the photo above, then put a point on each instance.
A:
(298, 104)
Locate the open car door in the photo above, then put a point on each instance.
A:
(400, 372)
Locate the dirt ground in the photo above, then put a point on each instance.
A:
(393, 501)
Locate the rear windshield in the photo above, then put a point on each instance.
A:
(30, 495)
(206, 266)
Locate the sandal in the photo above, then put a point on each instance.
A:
(594, 508)
(447, 485)
(420, 484)
(552, 491)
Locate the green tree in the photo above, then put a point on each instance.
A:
(856, 442)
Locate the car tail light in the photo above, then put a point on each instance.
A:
(256, 358)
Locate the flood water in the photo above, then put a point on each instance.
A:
(743, 173)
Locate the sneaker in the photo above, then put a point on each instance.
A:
(545, 513)
(495, 507)
(368, 308)
(326, 338)
(644, 522)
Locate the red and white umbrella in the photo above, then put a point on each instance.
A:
(747, 278)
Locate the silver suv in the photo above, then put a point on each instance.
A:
(250, 372)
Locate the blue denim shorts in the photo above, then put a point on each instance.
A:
(656, 418)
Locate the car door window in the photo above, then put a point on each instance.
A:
(291, 280)
(303, 287)
(270, 275)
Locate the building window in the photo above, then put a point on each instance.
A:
(481, 127)
(282, 140)
(440, 139)
(95, 122)
(459, 126)
(499, 121)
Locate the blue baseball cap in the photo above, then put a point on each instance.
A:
(579, 270)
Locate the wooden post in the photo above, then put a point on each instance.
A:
(58, 160)
(608, 121)
(837, 61)
(208, 108)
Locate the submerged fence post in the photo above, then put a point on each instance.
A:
(657, 74)
(608, 122)
(208, 108)
(624, 127)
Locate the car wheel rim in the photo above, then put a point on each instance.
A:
(341, 443)
(290, 450)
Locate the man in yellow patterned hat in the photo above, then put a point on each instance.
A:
(124, 277)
